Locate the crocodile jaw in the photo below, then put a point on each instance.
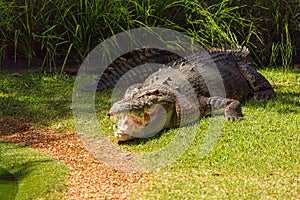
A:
(140, 124)
(122, 136)
(125, 126)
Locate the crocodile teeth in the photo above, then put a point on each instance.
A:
(122, 136)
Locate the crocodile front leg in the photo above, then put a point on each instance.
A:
(260, 85)
(232, 108)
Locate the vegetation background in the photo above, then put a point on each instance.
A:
(56, 33)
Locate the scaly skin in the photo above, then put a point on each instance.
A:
(129, 61)
(167, 99)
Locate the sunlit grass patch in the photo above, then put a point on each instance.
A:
(38, 175)
(254, 158)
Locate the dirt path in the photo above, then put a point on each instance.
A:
(89, 179)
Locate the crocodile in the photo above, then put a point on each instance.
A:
(179, 94)
(123, 64)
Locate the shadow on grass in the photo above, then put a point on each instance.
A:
(285, 102)
(44, 111)
(290, 99)
(36, 97)
(8, 185)
(37, 175)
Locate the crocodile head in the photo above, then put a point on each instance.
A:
(143, 111)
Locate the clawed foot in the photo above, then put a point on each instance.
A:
(234, 118)
(233, 112)
(264, 95)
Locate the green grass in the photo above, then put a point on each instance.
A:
(38, 176)
(43, 99)
(8, 185)
(255, 158)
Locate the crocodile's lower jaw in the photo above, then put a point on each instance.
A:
(121, 136)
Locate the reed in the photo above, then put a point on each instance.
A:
(60, 31)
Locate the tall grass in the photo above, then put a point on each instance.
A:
(278, 24)
(216, 25)
(6, 25)
(60, 32)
